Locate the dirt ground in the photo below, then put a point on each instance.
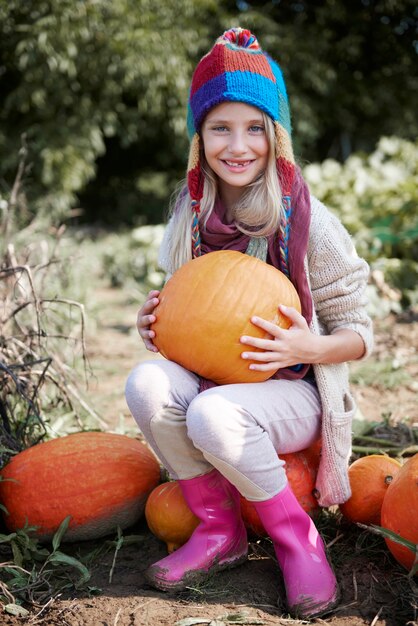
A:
(374, 589)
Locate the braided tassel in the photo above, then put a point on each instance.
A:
(196, 250)
(195, 185)
(284, 234)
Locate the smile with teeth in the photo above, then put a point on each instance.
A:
(238, 164)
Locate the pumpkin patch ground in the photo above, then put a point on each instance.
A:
(375, 589)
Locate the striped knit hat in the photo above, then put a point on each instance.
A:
(237, 69)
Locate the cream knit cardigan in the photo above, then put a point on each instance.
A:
(337, 277)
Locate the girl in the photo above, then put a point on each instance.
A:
(244, 192)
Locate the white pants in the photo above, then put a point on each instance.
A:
(239, 429)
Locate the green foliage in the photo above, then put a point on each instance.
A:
(389, 534)
(349, 67)
(76, 74)
(376, 197)
(133, 257)
(100, 89)
(35, 573)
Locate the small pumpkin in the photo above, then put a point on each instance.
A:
(206, 306)
(100, 479)
(301, 470)
(370, 477)
(168, 515)
(400, 511)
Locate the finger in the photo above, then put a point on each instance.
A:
(147, 336)
(258, 342)
(271, 328)
(146, 320)
(293, 315)
(147, 333)
(266, 367)
(150, 346)
(266, 357)
(150, 305)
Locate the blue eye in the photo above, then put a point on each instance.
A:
(257, 128)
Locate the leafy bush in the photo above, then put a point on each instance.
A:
(376, 197)
(133, 257)
(78, 75)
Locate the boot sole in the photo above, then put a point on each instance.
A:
(194, 576)
(301, 611)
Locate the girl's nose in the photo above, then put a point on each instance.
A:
(237, 144)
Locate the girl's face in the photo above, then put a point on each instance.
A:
(235, 146)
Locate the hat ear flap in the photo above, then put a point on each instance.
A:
(284, 159)
(195, 183)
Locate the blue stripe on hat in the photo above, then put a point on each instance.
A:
(246, 87)
(204, 99)
(253, 89)
(278, 76)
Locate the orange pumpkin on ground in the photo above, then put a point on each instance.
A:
(100, 479)
(370, 477)
(301, 470)
(400, 511)
(170, 519)
(168, 515)
(206, 307)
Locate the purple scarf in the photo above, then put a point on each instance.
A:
(218, 235)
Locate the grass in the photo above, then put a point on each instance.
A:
(387, 374)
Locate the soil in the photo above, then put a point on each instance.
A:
(374, 588)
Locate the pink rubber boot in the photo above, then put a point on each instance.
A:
(220, 540)
(311, 587)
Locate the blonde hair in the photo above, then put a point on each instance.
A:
(257, 214)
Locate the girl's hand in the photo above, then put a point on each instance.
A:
(145, 318)
(284, 348)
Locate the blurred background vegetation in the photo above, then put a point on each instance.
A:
(93, 141)
(99, 89)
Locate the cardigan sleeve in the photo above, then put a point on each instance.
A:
(338, 277)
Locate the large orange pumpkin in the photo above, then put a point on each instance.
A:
(100, 479)
(301, 470)
(168, 515)
(206, 307)
(400, 511)
(370, 477)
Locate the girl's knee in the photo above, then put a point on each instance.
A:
(206, 421)
(146, 390)
(139, 379)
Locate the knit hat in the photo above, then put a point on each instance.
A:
(237, 69)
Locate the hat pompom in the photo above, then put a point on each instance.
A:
(242, 38)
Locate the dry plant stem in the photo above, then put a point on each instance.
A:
(29, 401)
(409, 450)
(26, 268)
(376, 617)
(44, 607)
(355, 586)
(4, 590)
(378, 440)
(38, 385)
(58, 237)
(83, 325)
(6, 225)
